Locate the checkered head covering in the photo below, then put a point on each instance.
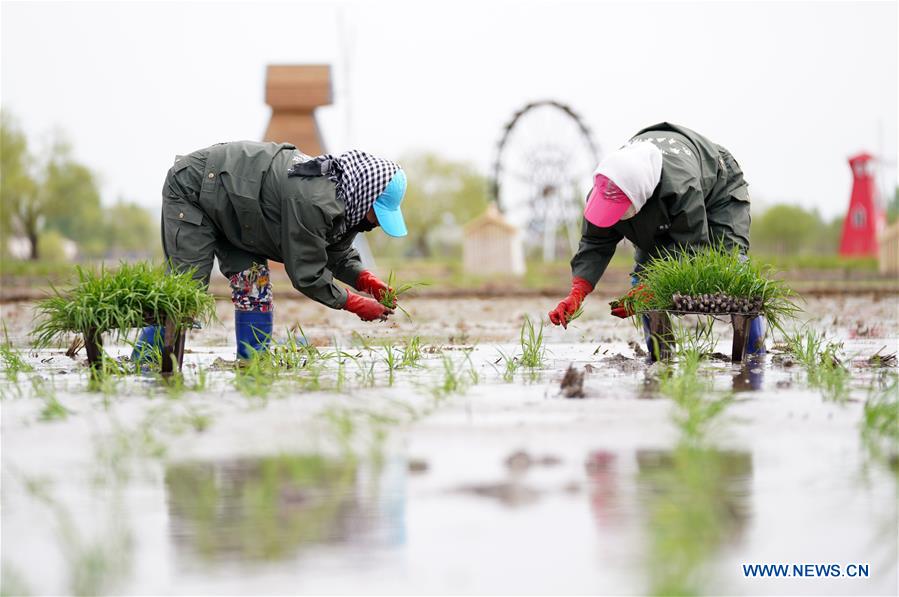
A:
(359, 179)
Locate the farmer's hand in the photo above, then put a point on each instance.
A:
(625, 308)
(570, 304)
(367, 309)
(622, 311)
(368, 282)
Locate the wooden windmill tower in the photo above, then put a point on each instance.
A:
(294, 92)
(865, 218)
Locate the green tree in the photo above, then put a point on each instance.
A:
(54, 194)
(71, 197)
(788, 230)
(438, 189)
(20, 209)
(129, 229)
(893, 207)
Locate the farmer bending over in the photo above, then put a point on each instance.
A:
(247, 202)
(668, 189)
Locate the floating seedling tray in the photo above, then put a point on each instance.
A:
(662, 335)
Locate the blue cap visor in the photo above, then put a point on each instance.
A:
(387, 205)
(391, 220)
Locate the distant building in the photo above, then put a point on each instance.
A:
(19, 247)
(865, 218)
(491, 246)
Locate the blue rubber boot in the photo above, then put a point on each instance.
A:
(253, 330)
(757, 332)
(149, 341)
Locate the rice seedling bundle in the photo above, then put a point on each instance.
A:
(122, 300)
(394, 290)
(712, 280)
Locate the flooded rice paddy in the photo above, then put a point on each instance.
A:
(371, 467)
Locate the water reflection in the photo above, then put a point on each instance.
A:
(751, 375)
(697, 500)
(268, 508)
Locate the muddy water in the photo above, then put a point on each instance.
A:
(421, 487)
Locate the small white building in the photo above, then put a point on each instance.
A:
(491, 245)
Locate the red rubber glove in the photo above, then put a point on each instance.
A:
(624, 309)
(368, 282)
(622, 312)
(563, 312)
(367, 309)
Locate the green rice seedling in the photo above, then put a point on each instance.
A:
(412, 352)
(362, 341)
(806, 346)
(710, 271)
(343, 424)
(13, 363)
(198, 420)
(105, 378)
(692, 501)
(392, 360)
(174, 385)
(822, 363)
(576, 314)
(366, 374)
(692, 395)
(453, 380)
(201, 380)
(699, 339)
(53, 410)
(881, 413)
(122, 301)
(255, 377)
(510, 366)
(880, 421)
(473, 374)
(341, 357)
(390, 297)
(533, 351)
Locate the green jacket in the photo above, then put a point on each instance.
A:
(246, 195)
(701, 199)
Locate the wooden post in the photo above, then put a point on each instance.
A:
(93, 344)
(661, 335)
(741, 324)
(172, 347)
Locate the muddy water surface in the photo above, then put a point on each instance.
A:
(451, 479)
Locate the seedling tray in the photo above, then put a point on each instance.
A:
(663, 337)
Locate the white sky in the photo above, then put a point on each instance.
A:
(791, 89)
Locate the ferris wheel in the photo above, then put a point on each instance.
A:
(542, 174)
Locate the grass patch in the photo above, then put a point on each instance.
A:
(412, 352)
(510, 363)
(121, 301)
(710, 271)
(13, 363)
(533, 350)
(821, 360)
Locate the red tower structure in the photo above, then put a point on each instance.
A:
(865, 219)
